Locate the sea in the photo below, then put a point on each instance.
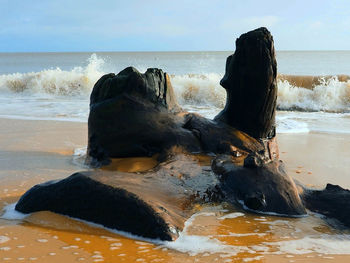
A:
(56, 86)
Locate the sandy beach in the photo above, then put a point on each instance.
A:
(221, 129)
(316, 159)
(36, 151)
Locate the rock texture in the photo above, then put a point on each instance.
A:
(81, 196)
(134, 114)
(156, 203)
(258, 186)
(333, 202)
(250, 82)
(153, 204)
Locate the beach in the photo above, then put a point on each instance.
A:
(44, 106)
(37, 151)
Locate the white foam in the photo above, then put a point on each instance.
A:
(303, 122)
(77, 81)
(194, 244)
(257, 258)
(198, 89)
(325, 244)
(11, 214)
(4, 239)
(231, 215)
(241, 202)
(81, 151)
(291, 126)
(331, 95)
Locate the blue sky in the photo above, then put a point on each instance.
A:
(150, 25)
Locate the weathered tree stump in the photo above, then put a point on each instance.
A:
(250, 82)
(134, 114)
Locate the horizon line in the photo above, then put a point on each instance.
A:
(169, 51)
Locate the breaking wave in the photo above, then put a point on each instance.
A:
(329, 94)
(199, 89)
(78, 81)
(297, 93)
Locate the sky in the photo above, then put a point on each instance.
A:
(178, 25)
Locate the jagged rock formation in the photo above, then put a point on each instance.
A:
(250, 82)
(134, 114)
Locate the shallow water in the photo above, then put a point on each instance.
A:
(218, 233)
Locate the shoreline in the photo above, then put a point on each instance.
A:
(314, 158)
(35, 151)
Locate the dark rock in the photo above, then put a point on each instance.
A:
(134, 114)
(83, 197)
(152, 205)
(155, 204)
(252, 161)
(220, 138)
(250, 82)
(333, 202)
(265, 189)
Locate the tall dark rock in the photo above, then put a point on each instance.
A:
(250, 82)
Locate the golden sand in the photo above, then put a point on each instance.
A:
(36, 151)
(316, 159)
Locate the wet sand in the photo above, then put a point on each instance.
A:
(36, 151)
(316, 159)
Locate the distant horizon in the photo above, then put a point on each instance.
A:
(163, 51)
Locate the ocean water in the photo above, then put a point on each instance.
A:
(57, 85)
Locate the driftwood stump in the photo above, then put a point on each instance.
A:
(134, 114)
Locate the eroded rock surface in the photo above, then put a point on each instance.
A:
(258, 186)
(250, 83)
(135, 114)
(154, 204)
(333, 202)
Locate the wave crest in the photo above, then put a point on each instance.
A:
(330, 95)
(199, 89)
(299, 93)
(79, 80)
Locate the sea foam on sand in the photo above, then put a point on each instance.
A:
(10, 213)
(326, 244)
